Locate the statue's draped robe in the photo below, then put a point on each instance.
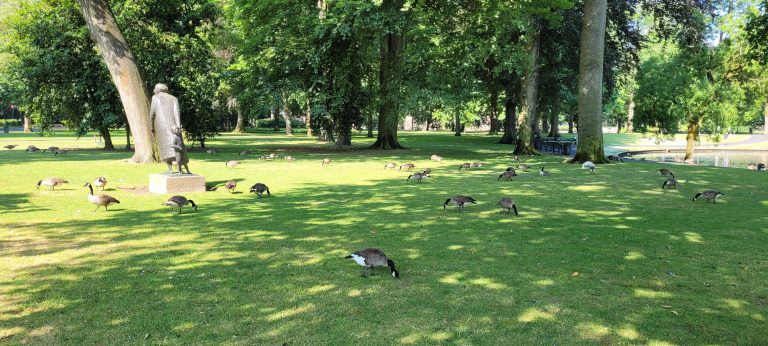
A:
(165, 117)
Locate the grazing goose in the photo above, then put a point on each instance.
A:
(369, 258)
(327, 161)
(510, 169)
(10, 146)
(589, 165)
(669, 184)
(507, 204)
(516, 158)
(259, 189)
(390, 165)
(290, 158)
(233, 163)
(60, 153)
(709, 195)
(418, 176)
(51, 149)
(615, 158)
(52, 182)
(211, 151)
(272, 156)
(459, 201)
(761, 167)
(32, 149)
(230, 185)
(523, 167)
(508, 175)
(244, 152)
(427, 171)
(100, 200)
(665, 172)
(179, 201)
(752, 166)
(408, 166)
(542, 172)
(477, 164)
(100, 182)
(465, 165)
(437, 158)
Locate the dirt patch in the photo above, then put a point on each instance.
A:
(136, 190)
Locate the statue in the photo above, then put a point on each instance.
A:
(166, 127)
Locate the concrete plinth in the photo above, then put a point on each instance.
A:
(176, 183)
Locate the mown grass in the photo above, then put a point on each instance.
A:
(653, 267)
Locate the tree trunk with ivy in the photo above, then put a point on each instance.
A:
(590, 144)
(125, 75)
(528, 99)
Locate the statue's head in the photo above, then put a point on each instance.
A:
(160, 88)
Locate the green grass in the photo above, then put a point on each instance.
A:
(270, 271)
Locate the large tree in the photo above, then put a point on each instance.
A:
(392, 45)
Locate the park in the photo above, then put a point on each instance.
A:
(383, 172)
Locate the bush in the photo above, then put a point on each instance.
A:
(11, 122)
(268, 123)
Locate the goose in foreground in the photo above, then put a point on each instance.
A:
(459, 201)
(369, 258)
(390, 165)
(508, 204)
(100, 200)
(418, 176)
(761, 167)
(465, 165)
(52, 182)
(508, 175)
(10, 146)
(589, 165)
(100, 182)
(326, 161)
(510, 169)
(426, 172)
(233, 163)
(179, 201)
(408, 166)
(665, 172)
(542, 172)
(670, 183)
(437, 158)
(230, 185)
(709, 195)
(259, 189)
(32, 149)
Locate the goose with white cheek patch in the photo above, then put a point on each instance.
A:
(370, 258)
(459, 201)
(100, 200)
(178, 202)
(259, 189)
(709, 195)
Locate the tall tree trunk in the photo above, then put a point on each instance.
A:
(554, 121)
(429, 119)
(322, 7)
(590, 144)
(691, 138)
(286, 113)
(370, 125)
(544, 122)
(28, 122)
(233, 104)
(127, 137)
(494, 108)
(107, 139)
(391, 49)
(510, 116)
(308, 125)
(125, 75)
(630, 115)
(529, 97)
(570, 122)
(457, 124)
(273, 117)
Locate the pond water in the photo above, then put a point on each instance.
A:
(736, 159)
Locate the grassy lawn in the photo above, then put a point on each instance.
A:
(653, 267)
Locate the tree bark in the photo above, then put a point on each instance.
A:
(309, 116)
(273, 117)
(630, 115)
(529, 97)
(570, 123)
(554, 121)
(592, 47)
(765, 119)
(392, 45)
(691, 138)
(125, 75)
(494, 108)
(233, 104)
(286, 113)
(107, 139)
(27, 123)
(510, 116)
(457, 124)
(127, 137)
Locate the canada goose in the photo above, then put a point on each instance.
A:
(760, 166)
(507, 204)
(465, 165)
(665, 172)
(669, 183)
(211, 151)
(100, 200)
(459, 201)
(10, 146)
(369, 258)
(426, 171)
(179, 201)
(437, 158)
(709, 195)
(418, 176)
(615, 158)
(290, 158)
(477, 164)
(542, 172)
(516, 158)
(752, 166)
(244, 152)
(100, 182)
(326, 161)
(272, 156)
(408, 166)
(230, 185)
(32, 149)
(523, 167)
(60, 152)
(510, 169)
(508, 175)
(589, 165)
(390, 165)
(232, 163)
(259, 189)
(52, 182)
(51, 149)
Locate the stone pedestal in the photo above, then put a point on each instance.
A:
(164, 183)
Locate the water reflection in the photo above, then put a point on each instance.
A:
(738, 159)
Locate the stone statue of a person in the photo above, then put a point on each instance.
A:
(166, 127)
